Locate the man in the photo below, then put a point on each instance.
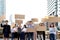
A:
(30, 34)
(6, 30)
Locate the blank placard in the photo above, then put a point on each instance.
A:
(53, 19)
(34, 19)
(58, 19)
(18, 21)
(30, 30)
(44, 20)
(18, 16)
(40, 28)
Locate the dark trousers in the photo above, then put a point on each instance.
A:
(12, 36)
(52, 36)
(26, 35)
(22, 36)
(41, 33)
(18, 36)
(44, 35)
(6, 35)
(30, 35)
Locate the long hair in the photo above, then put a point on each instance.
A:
(52, 24)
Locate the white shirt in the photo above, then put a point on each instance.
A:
(24, 29)
(13, 29)
(53, 30)
(30, 25)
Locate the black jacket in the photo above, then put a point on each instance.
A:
(6, 28)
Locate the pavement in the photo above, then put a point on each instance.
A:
(37, 39)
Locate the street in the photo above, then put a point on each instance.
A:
(37, 39)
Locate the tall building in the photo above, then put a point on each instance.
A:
(53, 7)
(2, 7)
(2, 10)
(2, 14)
(58, 8)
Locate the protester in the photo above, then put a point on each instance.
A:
(6, 30)
(14, 32)
(22, 34)
(41, 34)
(52, 31)
(30, 34)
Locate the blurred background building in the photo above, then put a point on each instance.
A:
(2, 9)
(54, 9)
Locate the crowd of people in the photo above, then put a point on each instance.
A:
(18, 32)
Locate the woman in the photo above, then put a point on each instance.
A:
(22, 34)
(52, 31)
(14, 32)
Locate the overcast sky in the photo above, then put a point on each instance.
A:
(30, 8)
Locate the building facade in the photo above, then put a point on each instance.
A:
(2, 14)
(2, 10)
(2, 7)
(54, 9)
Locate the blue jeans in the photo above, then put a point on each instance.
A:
(52, 36)
(30, 35)
(22, 36)
(12, 37)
